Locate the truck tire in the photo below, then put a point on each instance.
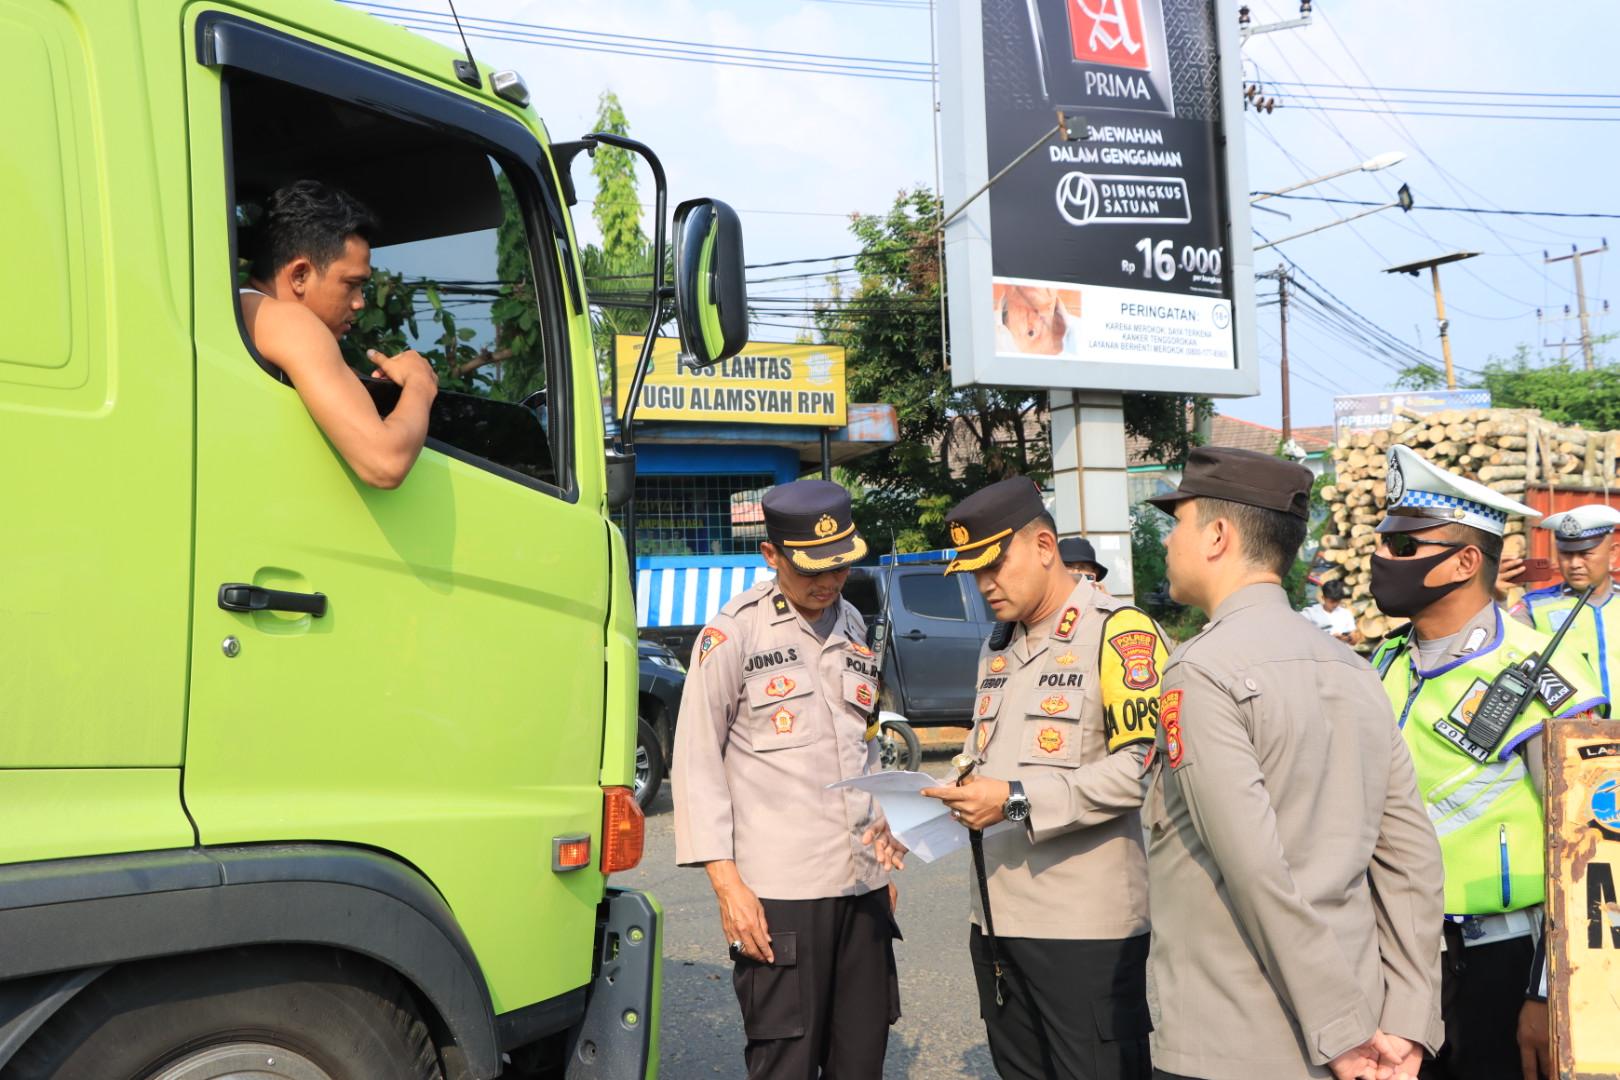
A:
(649, 764)
(302, 1014)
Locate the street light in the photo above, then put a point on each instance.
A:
(1403, 199)
(1372, 164)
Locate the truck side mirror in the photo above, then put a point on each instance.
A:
(711, 295)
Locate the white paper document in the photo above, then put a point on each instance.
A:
(923, 825)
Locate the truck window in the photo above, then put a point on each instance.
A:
(933, 596)
(463, 269)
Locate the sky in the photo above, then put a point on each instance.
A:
(797, 151)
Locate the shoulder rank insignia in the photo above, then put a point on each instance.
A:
(782, 719)
(1065, 625)
(1050, 740)
(1135, 649)
(708, 641)
(998, 664)
(1054, 704)
(781, 686)
(781, 604)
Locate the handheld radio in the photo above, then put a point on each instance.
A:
(1513, 688)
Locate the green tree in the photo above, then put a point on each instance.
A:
(890, 323)
(1565, 393)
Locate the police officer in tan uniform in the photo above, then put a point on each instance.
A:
(1296, 879)
(779, 704)
(1064, 714)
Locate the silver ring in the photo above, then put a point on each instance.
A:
(957, 814)
(737, 945)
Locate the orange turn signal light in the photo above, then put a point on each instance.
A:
(570, 852)
(624, 830)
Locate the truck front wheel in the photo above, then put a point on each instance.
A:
(281, 1015)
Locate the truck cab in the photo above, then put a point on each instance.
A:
(310, 750)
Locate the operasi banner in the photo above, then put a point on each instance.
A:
(767, 383)
(1126, 248)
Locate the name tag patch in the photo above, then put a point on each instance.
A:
(770, 658)
(992, 682)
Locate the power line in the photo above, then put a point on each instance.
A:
(1459, 209)
(1441, 90)
(1462, 115)
(656, 48)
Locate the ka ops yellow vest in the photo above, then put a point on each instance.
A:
(1486, 812)
(1595, 635)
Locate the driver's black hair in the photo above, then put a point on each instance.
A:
(310, 219)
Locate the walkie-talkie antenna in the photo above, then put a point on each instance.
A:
(466, 70)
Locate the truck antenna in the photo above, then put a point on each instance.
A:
(466, 70)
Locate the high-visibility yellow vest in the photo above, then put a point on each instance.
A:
(1595, 634)
(1483, 804)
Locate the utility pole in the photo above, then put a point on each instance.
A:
(1580, 294)
(1433, 267)
(1281, 274)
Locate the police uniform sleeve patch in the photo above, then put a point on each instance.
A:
(1130, 668)
(708, 641)
(1170, 716)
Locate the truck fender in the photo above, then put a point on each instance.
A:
(67, 920)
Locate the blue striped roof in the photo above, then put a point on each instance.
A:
(688, 590)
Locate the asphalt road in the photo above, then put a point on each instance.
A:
(939, 1037)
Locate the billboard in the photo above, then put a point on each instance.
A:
(1375, 412)
(1118, 261)
(769, 382)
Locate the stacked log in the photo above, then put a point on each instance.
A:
(1507, 450)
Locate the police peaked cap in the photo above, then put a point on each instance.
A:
(809, 522)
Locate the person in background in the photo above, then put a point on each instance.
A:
(1583, 541)
(1332, 614)
(1080, 558)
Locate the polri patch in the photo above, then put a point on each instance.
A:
(861, 650)
(1135, 649)
(1454, 735)
(1066, 660)
(1066, 624)
(1054, 704)
(863, 695)
(1062, 680)
(1050, 740)
(982, 739)
(782, 719)
(1552, 688)
(708, 642)
(779, 687)
(998, 664)
(1170, 721)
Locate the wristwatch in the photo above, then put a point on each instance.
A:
(1016, 808)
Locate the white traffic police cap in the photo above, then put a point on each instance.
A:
(1582, 528)
(1419, 495)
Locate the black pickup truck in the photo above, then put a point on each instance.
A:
(939, 623)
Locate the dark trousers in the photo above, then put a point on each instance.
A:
(824, 1008)
(1481, 993)
(1070, 1010)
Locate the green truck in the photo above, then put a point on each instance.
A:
(300, 778)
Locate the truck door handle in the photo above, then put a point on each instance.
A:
(240, 597)
(915, 635)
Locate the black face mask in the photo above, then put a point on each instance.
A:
(1397, 584)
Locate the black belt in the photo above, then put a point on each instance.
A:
(976, 842)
